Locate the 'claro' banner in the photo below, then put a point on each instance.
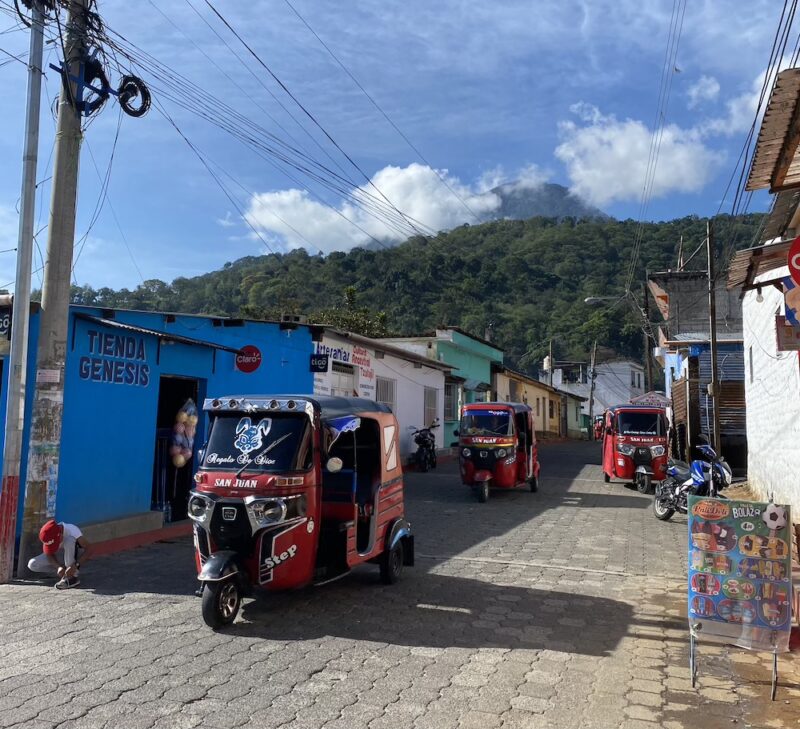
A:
(740, 573)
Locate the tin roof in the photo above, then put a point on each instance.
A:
(775, 166)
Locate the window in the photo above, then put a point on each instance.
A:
(552, 409)
(538, 407)
(633, 379)
(578, 413)
(385, 392)
(343, 380)
(450, 401)
(431, 406)
(638, 380)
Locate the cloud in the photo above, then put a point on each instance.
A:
(606, 159)
(527, 178)
(227, 221)
(706, 88)
(294, 217)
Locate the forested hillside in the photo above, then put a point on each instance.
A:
(526, 280)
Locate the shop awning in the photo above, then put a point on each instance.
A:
(163, 336)
(748, 264)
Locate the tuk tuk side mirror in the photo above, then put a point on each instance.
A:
(334, 465)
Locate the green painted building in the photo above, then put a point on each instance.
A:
(471, 358)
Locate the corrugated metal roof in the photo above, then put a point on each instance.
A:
(780, 119)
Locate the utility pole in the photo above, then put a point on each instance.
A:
(592, 376)
(18, 356)
(648, 353)
(712, 315)
(550, 369)
(45, 440)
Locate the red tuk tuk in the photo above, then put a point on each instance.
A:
(293, 491)
(497, 447)
(635, 445)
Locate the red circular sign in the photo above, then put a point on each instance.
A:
(794, 260)
(248, 358)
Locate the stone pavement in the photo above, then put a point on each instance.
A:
(562, 609)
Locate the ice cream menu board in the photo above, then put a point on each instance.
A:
(740, 572)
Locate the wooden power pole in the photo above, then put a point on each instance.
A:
(712, 316)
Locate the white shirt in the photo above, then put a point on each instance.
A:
(71, 535)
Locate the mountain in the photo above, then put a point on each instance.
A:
(520, 201)
(525, 280)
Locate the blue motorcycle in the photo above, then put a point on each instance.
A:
(706, 476)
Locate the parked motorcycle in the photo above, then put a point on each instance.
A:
(425, 440)
(703, 477)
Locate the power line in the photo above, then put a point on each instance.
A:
(394, 126)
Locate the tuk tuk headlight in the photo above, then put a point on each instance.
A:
(266, 511)
(466, 453)
(198, 508)
(657, 450)
(626, 449)
(501, 452)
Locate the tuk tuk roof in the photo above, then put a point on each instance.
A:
(642, 408)
(517, 407)
(328, 406)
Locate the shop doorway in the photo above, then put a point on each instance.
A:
(171, 484)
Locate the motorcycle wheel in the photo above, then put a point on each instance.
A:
(221, 603)
(483, 492)
(644, 484)
(422, 461)
(433, 458)
(662, 512)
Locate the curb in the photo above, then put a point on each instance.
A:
(121, 544)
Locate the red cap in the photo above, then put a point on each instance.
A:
(50, 536)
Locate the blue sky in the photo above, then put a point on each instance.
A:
(535, 91)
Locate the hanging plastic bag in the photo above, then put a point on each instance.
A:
(183, 432)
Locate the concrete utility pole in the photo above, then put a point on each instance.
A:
(592, 377)
(18, 357)
(712, 315)
(45, 439)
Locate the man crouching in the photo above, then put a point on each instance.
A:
(62, 546)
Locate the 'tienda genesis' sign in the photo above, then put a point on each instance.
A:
(119, 359)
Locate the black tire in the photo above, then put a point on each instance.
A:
(221, 603)
(433, 459)
(483, 492)
(391, 564)
(663, 513)
(644, 484)
(606, 477)
(533, 483)
(422, 461)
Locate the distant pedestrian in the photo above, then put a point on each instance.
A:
(63, 545)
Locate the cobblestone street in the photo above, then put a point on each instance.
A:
(564, 608)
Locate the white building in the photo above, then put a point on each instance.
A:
(616, 383)
(410, 384)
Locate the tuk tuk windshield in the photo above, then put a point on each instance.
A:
(260, 442)
(640, 423)
(486, 422)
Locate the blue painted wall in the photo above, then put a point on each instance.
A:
(111, 397)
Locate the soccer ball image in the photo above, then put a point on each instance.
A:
(774, 517)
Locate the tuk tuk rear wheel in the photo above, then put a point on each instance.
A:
(221, 603)
(606, 477)
(483, 492)
(391, 564)
(533, 482)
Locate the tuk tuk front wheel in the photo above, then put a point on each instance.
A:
(391, 564)
(221, 603)
(644, 483)
(483, 492)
